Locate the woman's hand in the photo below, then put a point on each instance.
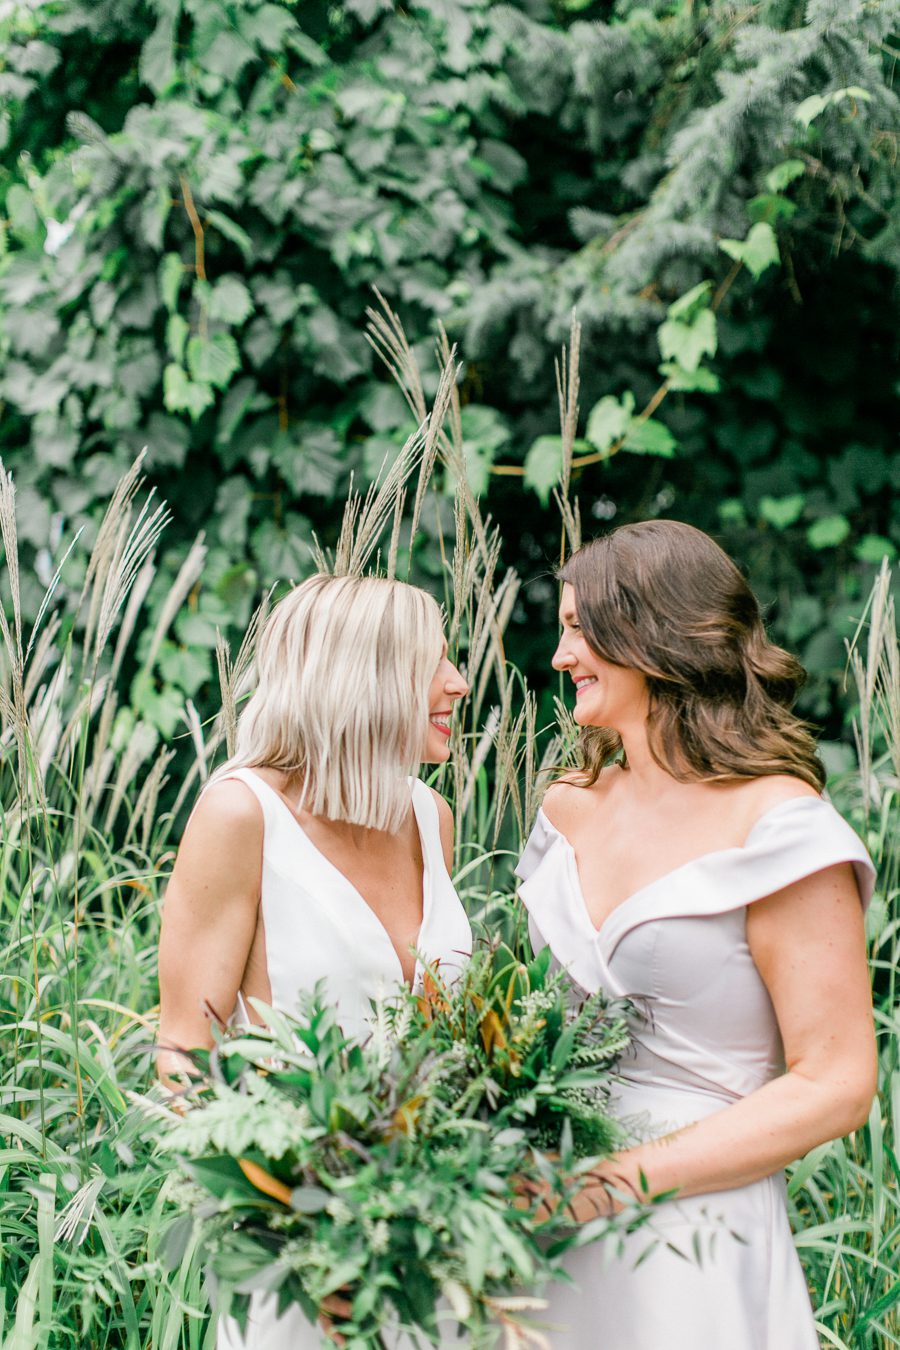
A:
(597, 1197)
(334, 1306)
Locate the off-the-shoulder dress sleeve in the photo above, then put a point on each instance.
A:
(792, 840)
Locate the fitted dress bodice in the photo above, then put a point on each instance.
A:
(704, 1036)
(317, 926)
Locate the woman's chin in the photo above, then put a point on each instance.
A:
(436, 752)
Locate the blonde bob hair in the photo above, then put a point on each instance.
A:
(344, 667)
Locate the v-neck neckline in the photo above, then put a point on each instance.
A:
(598, 930)
(355, 891)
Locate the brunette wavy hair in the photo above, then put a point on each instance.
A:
(661, 597)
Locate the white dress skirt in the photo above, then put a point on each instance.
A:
(716, 1271)
(317, 926)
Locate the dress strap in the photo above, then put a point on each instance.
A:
(426, 810)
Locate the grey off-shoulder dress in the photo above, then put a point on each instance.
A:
(708, 1037)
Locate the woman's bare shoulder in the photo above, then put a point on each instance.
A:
(228, 815)
(773, 789)
(567, 800)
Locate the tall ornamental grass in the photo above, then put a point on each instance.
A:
(92, 806)
(845, 1196)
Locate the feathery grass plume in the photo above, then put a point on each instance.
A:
(568, 381)
(531, 787)
(889, 694)
(132, 546)
(188, 574)
(446, 399)
(100, 694)
(499, 606)
(388, 339)
(102, 553)
(49, 594)
(568, 732)
(13, 704)
(143, 817)
(142, 583)
(480, 605)
(867, 676)
(40, 657)
(483, 747)
(195, 727)
(386, 336)
(507, 741)
(46, 717)
(365, 519)
(462, 567)
(394, 546)
(224, 670)
(10, 536)
(141, 744)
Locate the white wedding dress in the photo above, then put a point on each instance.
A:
(318, 927)
(708, 1037)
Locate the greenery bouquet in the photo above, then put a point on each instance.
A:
(392, 1171)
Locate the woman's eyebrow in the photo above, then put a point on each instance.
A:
(567, 616)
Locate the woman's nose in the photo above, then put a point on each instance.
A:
(561, 658)
(455, 686)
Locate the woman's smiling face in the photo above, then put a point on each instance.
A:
(446, 688)
(606, 695)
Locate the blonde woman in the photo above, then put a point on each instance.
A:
(315, 854)
(694, 866)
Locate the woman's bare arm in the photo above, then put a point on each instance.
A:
(809, 946)
(209, 920)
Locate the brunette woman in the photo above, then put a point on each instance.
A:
(693, 865)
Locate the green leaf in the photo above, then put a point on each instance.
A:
(23, 216)
(873, 548)
(608, 420)
(310, 460)
(687, 344)
(686, 305)
(309, 1199)
(771, 208)
(157, 63)
(811, 107)
(181, 395)
(757, 252)
(781, 512)
(232, 232)
(283, 550)
(171, 271)
(543, 465)
(226, 55)
(186, 669)
(828, 532)
(229, 300)
(267, 27)
(779, 177)
(177, 330)
(213, 360)
(681, 381)
(650, 438)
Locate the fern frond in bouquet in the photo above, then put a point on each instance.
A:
(393, 1171)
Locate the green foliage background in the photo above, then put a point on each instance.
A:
(196, 200)
(199, 197)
